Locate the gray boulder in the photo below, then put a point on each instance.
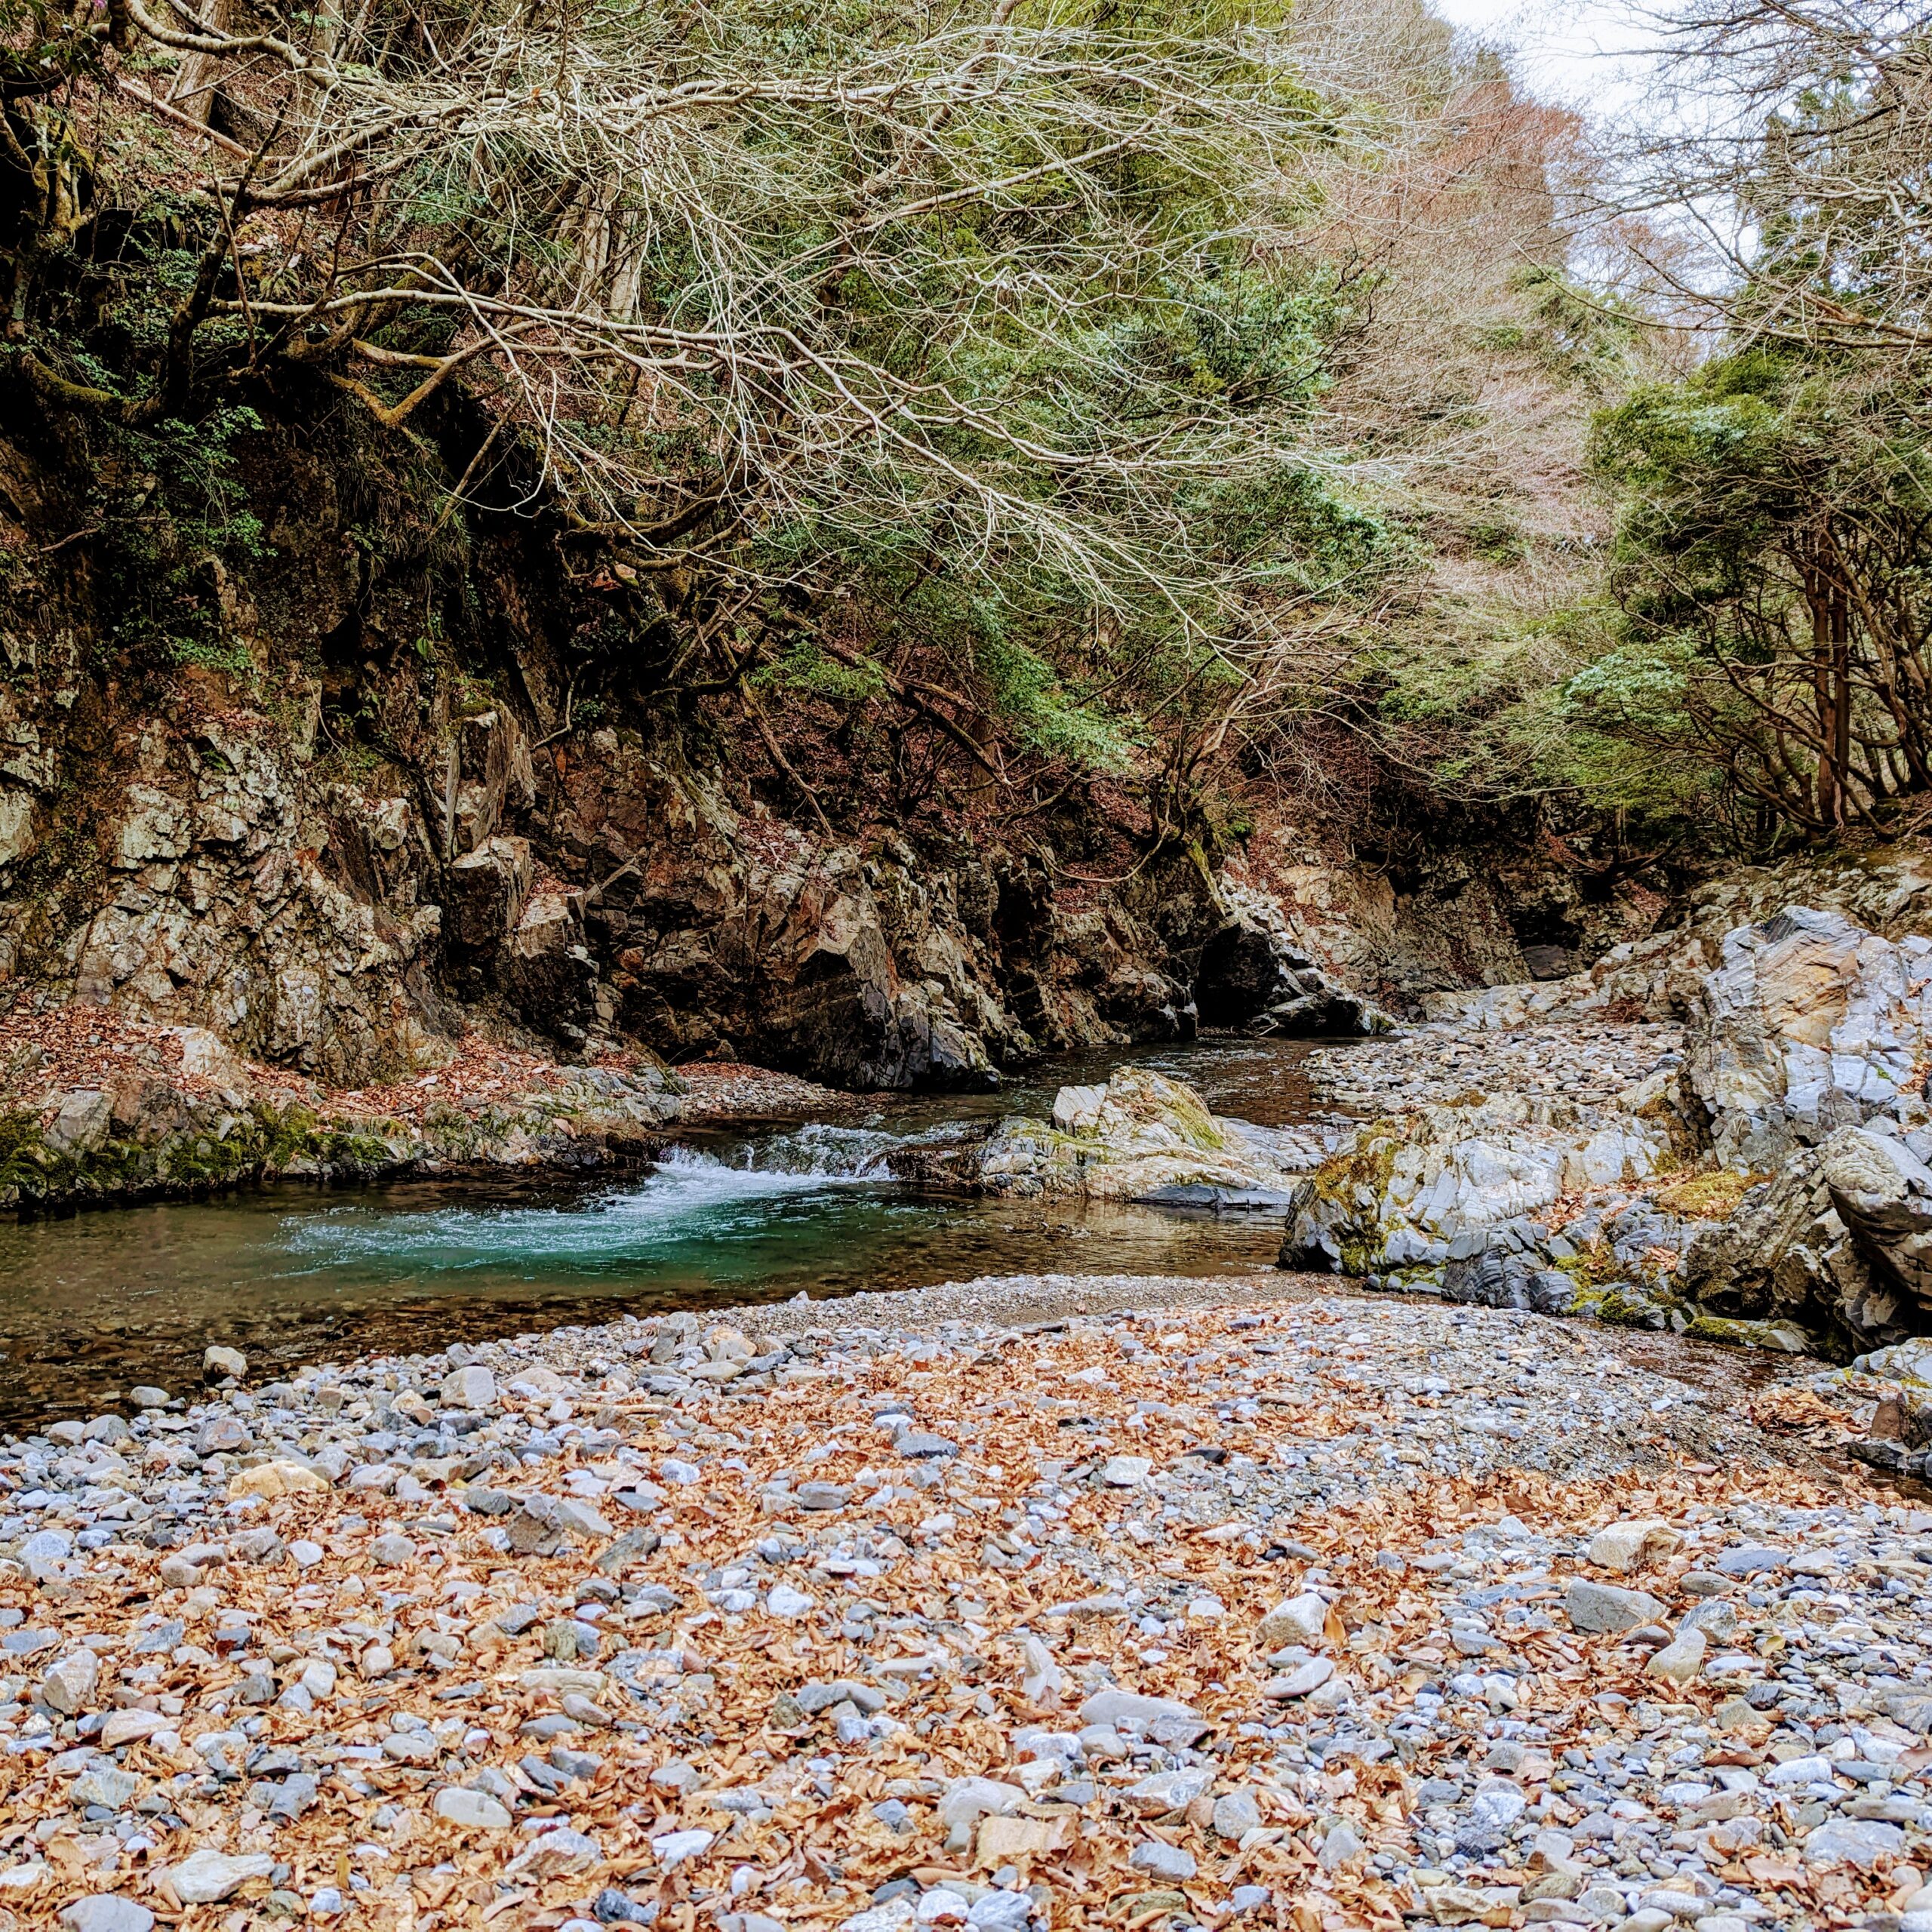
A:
(1439, 1185)
(1500, 1278)
(1810, 1023)
(1838, 1241)
(1603, 1606)
(1883, 1193)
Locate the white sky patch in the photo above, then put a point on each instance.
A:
(1591, 55)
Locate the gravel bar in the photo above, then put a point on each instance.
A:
(1043, 1602)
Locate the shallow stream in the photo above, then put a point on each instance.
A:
(90, 1306)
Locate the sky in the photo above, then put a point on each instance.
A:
(1583, 53)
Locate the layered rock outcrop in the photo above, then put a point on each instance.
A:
(351, 932)
(1772, 1183)
(1418, 1193)
(1809, 1023)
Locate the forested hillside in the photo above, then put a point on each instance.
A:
(1057, 468)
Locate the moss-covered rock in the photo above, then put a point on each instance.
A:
(1140, 1136)
(1784, 1337)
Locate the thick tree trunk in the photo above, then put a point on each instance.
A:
(198, 80)
(1831, 683)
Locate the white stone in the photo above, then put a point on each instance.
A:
(270, 1480)
(1163, 1861)
(69, 1684)
(573, 1514)
(471, 1810)
(558, 1850)
(1300, 1619)
(473, 1387)
(676, 1848)
(1311, 1676)
(207, 1876)
(1680, 1660)
(129, 1727)
(1861, 1841)
(1343, 1844)
(1142, 1132)
(1115, 1708)
(106, 1911)
(893, 1916)
(968, 1799)
(1623, 1546)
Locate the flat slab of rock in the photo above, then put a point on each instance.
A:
(1604, 1607)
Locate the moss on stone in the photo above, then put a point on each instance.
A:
(1369, 1164)
(1628, 1310)
(1784, 1337)
(243, 1149)
(1592, 1268)
(1707, 1197)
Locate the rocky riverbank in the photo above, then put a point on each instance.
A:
(1741, 1155)
(1303, 1609)
(95, 1108)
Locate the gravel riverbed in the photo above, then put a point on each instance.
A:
(1040, 1602)
(1589, 1062)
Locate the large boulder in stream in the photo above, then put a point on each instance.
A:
(1145, 1137)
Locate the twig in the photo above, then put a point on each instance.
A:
(73, 536)
(756, 713)
(135, 92)
(563, 730)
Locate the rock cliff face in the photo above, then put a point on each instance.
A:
(215, 871)
(1810, 1023)
(342, 803)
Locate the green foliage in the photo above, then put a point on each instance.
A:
(173, 502)
(1769, 503)
(976, 371)
(804, 667)
(1026, 692)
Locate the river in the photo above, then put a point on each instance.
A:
(91, 1305)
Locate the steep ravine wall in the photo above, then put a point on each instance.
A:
(347, 796)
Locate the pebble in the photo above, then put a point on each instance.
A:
(206, 1877)
(1311, 1676)
(1577, 1059)
(1163, 1861)
(1299, 1619)
(1594, 1606)
(106, 1911)
(471, 1810)
(1137, 1661)
(69, 1684)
